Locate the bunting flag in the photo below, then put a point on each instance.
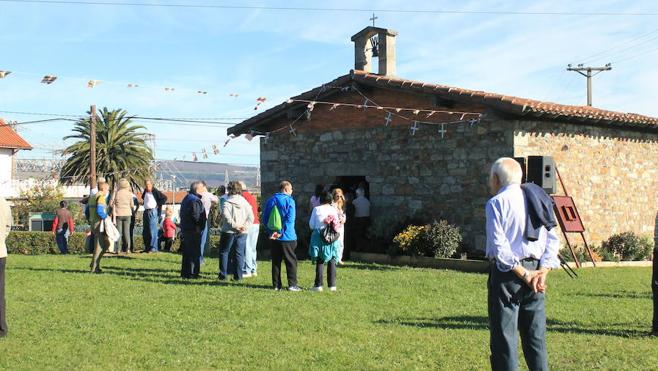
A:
(310, 106)
(388, 119)
(259, 101)
(414, 128)
(442, 131)
(48, 79)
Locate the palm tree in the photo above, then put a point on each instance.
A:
(121, 150)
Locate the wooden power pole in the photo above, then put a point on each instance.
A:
(92, 149)
(587, 72)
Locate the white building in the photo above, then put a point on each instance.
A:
(10, 144)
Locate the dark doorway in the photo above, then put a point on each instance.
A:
(350, 183)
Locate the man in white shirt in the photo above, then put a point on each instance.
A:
(361, 222)
(517, 279)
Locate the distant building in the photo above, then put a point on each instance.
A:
(609, 160)
(10, 144)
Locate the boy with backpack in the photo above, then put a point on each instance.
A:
(279, 220)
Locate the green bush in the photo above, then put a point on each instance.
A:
(438, 240)
(38, 243)
(441, 240)
(628, 246)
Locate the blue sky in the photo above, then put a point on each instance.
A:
(277, 54)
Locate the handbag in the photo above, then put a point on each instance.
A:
(329, 234)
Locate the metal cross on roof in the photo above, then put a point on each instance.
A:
(373, 19)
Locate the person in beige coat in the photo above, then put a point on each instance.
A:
(123, 210)
(5, 227)
(236, 219)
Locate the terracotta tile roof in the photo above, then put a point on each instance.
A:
(516, 106)
(10, 139)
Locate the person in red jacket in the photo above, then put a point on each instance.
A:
(169, 228)
(63, 226)
(250, 265)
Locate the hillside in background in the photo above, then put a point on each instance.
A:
(212, 173)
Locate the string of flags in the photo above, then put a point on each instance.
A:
(215, 148)
(417, 121)
(94, 83)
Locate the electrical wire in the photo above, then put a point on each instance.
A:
(337, 9)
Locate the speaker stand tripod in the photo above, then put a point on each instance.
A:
(570, 221)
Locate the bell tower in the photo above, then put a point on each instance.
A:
(375, 42)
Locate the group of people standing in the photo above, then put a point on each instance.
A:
(238, 219)
(112, 219)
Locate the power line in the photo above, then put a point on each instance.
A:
(161, 120)
(325, 9)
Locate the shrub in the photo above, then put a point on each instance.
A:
(38, 243)
(439, 239)
(383, 230)
(628, 246)
(408, 241)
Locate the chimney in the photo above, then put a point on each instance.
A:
(375, 42)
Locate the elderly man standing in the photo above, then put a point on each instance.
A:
(192, 223)
(5, 227)
(517, 279)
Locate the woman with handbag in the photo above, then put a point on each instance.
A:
(323, 249)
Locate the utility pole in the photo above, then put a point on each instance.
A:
(587, 72)
(92, 149)
(173, 191)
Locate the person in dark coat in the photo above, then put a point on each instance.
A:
(192, 223)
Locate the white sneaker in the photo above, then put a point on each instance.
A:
(333, 288)
(246, 275)
(316, 288)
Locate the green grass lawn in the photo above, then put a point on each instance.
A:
(140, 315)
